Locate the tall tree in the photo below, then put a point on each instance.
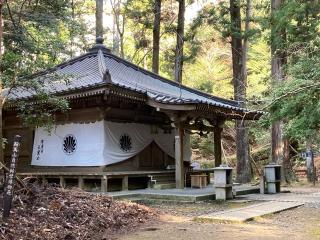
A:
(278, 60)
(1, 97)
(156, 36)
(99, 18)
(1, 28)
(246, 39)
(180, 42)
(119, 16)
(294, 45)
(115, 32)
(242, 144)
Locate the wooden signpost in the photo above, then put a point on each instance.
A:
(10, 180)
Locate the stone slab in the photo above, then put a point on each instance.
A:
(187, 194)
(285, 197)
(250, 212)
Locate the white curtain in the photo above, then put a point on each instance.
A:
(98, 144)
(48, 149)
(139, 135)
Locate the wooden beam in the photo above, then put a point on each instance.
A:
(197, 127)
(179, 158)
(170, 106)
(103, 111)
(217, 146)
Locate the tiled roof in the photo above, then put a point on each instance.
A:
(99, 66)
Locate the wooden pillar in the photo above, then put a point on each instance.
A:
(125, 183)
(217, 146)
(104, 184)
(179, 158)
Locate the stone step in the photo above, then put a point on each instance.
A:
(250, 212)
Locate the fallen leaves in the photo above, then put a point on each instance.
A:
(54, 213)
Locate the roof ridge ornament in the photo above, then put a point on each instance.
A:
(104, 72)
(99, 46)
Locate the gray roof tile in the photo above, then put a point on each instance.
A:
(87, 71)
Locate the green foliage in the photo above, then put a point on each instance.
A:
(258, 82)
(203, 143)
(41, 111)
(297, 99)
(37, 35)
(300, 19)
(139, 16)
(207, 164)
(210, 67)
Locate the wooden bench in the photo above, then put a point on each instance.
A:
(199, 181)
(191, 171)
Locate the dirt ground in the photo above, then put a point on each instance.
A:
(176, 222)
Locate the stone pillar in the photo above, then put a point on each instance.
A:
(223, 182)
(179, 158)
(272, 174)
(217, 146)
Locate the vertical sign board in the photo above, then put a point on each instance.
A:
(9, 184)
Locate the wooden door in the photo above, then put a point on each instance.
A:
(157, 156)
(145, 158)
(152, 157)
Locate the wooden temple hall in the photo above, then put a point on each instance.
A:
(127, 128)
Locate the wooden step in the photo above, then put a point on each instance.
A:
(163, 176)
(163, 181)
(164, 186)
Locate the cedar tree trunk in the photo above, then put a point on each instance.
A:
(156, 36)
(243, 164)
(180, 42)
(99, 18)
(280, 146)
(1, 97)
